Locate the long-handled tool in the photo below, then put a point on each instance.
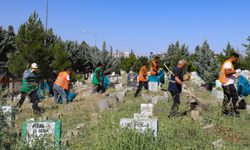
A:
(188, 91)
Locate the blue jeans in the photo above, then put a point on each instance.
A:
(59, 92)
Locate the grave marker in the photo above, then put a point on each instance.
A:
(118, 87)
(48, 132)
(140, 125)
(8, 113)
(147, 110)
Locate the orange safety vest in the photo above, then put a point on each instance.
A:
(223, 77)
(62, 81)
(154, 68)
(143, 74)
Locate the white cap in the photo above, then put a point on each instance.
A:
(34, 66)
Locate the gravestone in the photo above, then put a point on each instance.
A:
(248, 109)
(218, 144)
(140, 125)
(122, 72)
(8, 113)
(196, 79)
(132, 80)
(153, 86)
(48, 132)
(120, 96)
(147, 110)
(218, 94)
(118, 87)
(217, 84)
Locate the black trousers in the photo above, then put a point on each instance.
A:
(176, 102)
(33, 100)
(140, 86)
(97, 88)
(230, 93)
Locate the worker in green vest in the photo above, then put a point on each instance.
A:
(29, 88)
(98, 79)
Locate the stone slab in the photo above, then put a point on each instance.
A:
(153, 86)
(147, 110)
(140, 125)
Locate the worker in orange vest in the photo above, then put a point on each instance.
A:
(143, 78)
(154, 68)
(227, 77)
(61, 85)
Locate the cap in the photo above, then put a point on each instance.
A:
(34, 66)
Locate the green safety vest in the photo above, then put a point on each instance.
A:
(26, 85)
(95, 80)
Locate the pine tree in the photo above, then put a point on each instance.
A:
(7, 44)
(226, 53)
(175, 53)
(206, 64)
(61, 58)
(30, 42)
(80, 56)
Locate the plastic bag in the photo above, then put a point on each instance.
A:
(243, 86)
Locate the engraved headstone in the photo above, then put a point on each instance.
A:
(118, 87)
(147, 110)
(47, 132)
(8, 113)
(140, 125)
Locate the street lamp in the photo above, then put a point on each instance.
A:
(92, 33)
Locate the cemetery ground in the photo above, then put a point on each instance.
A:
(85, 126)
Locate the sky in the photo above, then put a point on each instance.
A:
(141, 25)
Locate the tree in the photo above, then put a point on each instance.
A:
(247, 58)
(31, 48)
(226, 53)
(128, 63)
(175, 53)
(206, 64)
(7, 44)
(61, 58)
(110, 63)
(104, 46)
(80, 56)
(139, 63)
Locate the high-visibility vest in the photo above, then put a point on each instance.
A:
(143, 74)
(154, 68)
(62, 81)
(223, 77)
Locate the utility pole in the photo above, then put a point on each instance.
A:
(46, 22)
(47, 13)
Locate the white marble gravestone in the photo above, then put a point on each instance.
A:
(140, 125)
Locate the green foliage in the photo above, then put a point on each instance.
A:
(247, 58)
(7, 43)
(110, 63)
(17, 64)
(128, 63)
(61, 58)
(223, 56)
(30, 42)
(175, 53)
(139, 63)
(8, 136)
(206, 64)
(79, 55)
